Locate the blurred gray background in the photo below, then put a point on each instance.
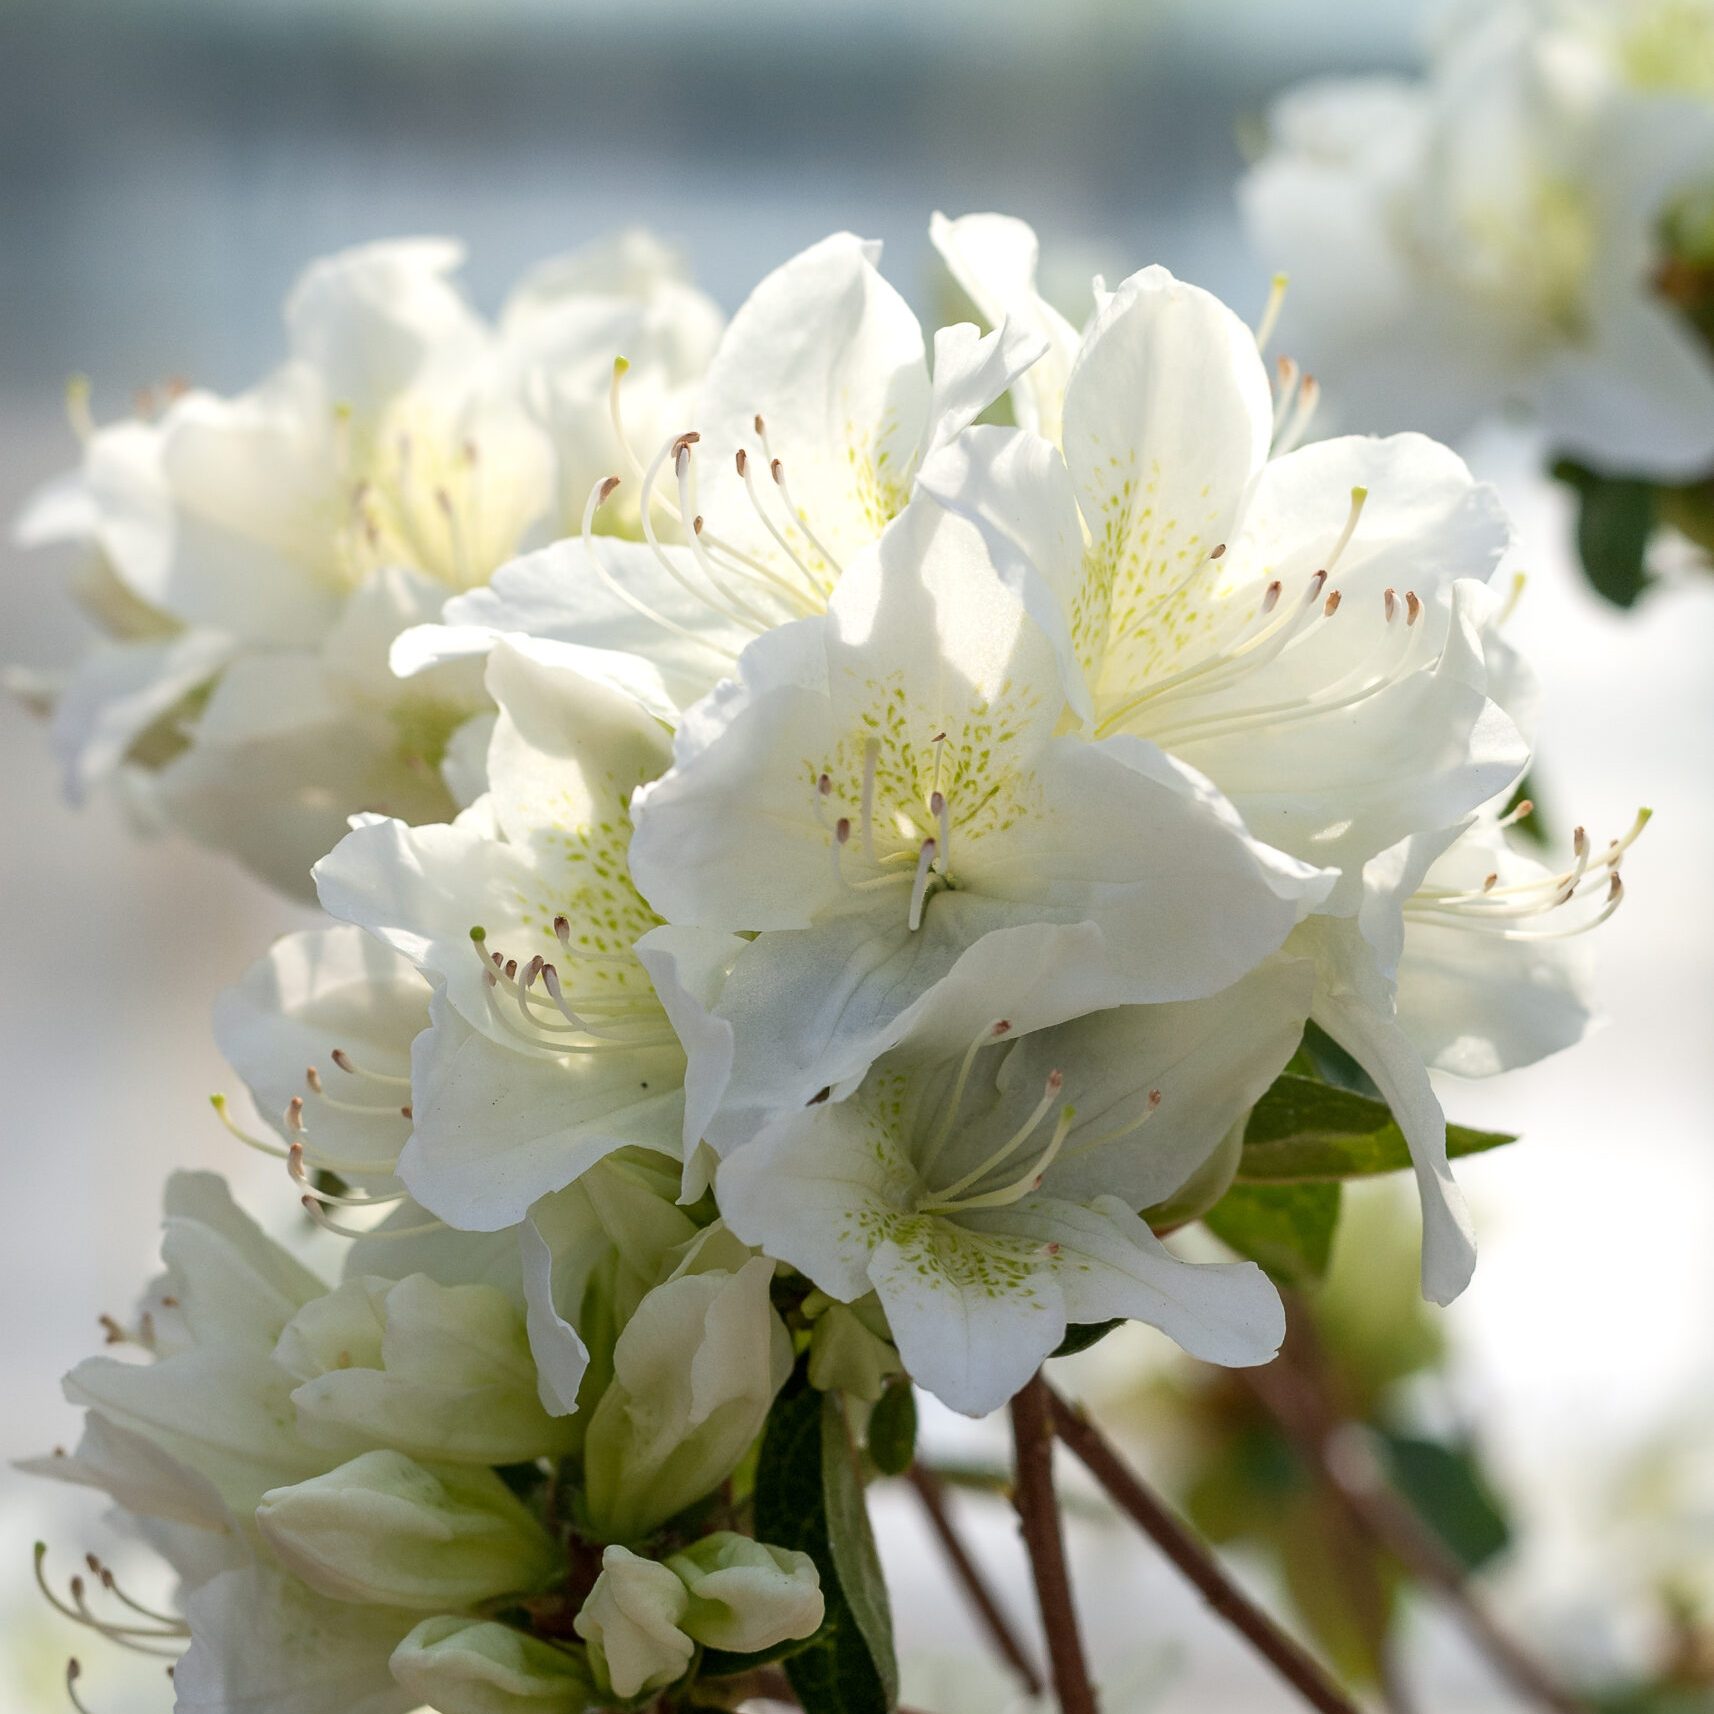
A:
(166, 166)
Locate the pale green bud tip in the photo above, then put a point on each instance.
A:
(747, 1596)
(631, 1622)
(620, 365)
(477, 1666)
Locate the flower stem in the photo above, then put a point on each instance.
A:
(982, 1598)
(1156, 1520)
(1044, 1538)
(1334, 1449)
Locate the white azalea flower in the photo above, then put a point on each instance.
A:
(884, 791)
(552, 1040)
(986, 1188)
(818, 409)
(259, 554)
(1308, 630)
(1493, 234)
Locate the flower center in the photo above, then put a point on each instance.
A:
(1040, 1139)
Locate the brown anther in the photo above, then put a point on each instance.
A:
(443, 500)
(295, 1113)
(761, 427)
(313, 1078)
(1317, 583)
(684, 442)
(405, 1112)
(341, 1058)
(696, 524)
(115, 1334)
(743, 461)
(1331, 605)
(562, 929)
(1390, 601)
(607, 488)
(1154, 1098)
(842, 829)
(1219, 552)
(1413, 607)
(1270, 596)
(1491, 882)
(775, 468)
(511, 969)
(1579, 840)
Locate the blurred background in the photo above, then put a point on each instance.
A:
(166, 166)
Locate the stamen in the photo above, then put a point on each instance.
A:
(1101, 1140)
(218, 1103)
(1390, 604)
(772, 528)
(328, 1224)
(1050, 1094)
(841, 837)
(996, 1031)
(1413, 607)
(682, 468)
(777, 469)
(597, 498)
(1308, 397)
(300, 1177)
(719, 605)
(1359, 498)
(1522, 810)
(1331, 605)
(919, 887)
(1285, 391)
(1271, 311)
(943, 817)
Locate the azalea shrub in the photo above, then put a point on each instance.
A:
(840, 845)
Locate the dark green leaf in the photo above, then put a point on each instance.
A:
(1081, 1335)
(1321, 1057)
(1446, 1486)
(893, 1428)
(809, 1496)
(1287, 1228)
(1305, 1129)
(1615, 518)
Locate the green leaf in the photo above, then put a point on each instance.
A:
(1446, 1486)
(1287, 1228)
(893, 1428)
(1321, 1057)
(809, 1496)
(1616, 516)
(1303, 1129)
(1080, 1335)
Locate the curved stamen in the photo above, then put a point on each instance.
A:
(1050, 1094)
(1271, 311)
(777, 469)
(919, 886)
(347, 1064)
(996, 1031)
(328, 1224)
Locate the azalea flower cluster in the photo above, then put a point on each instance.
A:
(870, 865)
(1531, 223)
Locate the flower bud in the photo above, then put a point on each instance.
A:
(384, 1530)
(631, 1623)
(694, 1373)
(745, 1595)
(475, 1666)
(443, 1373)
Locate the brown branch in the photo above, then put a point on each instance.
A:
(1044, 1537)
(982, 1598)
(1151, 1515)
(1335, 1450)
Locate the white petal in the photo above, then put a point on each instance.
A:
(993, 258)
(971, 371)
(1110, 1264)
(496, 1130)
(832, 358)
(1167, 417)
(371, 317)
(263, 1644)
(1354, 1004)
